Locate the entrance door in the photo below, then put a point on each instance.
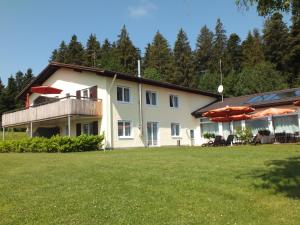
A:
(152, 133)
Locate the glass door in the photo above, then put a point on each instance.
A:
(152, 133)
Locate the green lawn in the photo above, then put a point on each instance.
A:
(232, 185)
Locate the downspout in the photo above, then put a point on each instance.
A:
(110, 115)
(140, 102)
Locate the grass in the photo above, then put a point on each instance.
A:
(232, 185)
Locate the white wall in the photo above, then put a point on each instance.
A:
(162, 113)
(70, 81)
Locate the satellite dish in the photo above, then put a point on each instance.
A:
(220, 89)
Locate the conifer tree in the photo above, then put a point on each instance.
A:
(204, 50)
(219, 46)
(293, 56)
(59, 55)
(183, 66)
(109, 57)
(234, 53)
(158, 59)
(128, 54)
(252, 51)
(74, 52)
(275, 40)
(92, 54)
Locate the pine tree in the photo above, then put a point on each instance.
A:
(59, 55)
(19, 80)
(128, 54)
(9, 95)
(109, 57)
(219, 47)
(204, 50)
(293, 56)
(28, 77)
(158, 59)
(234, 53)
(275, 40)
(183, 65)
(92, 54)
(252, 51)
(53, 57)
(75, 52)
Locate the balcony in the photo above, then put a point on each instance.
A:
(68, 106)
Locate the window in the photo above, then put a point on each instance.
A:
(124, 128)
(89, 128)
(173, 101)
(123, 94)
(85, 94)
(86, 129)
(175, 129)
(207, 126)
(151, 98)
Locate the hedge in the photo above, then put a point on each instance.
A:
(54, 144)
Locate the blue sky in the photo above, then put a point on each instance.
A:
(31, 29)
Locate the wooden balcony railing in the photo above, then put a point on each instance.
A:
(55, 109)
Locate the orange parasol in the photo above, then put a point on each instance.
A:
(228, 111)
(297, 103)
(231, 118)
(27, 101)
(272, 112)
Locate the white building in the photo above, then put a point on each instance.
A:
(130, 111)
(134, 112)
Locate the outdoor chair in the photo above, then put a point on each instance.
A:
(219, 141)
(256, 139)
(229, 140)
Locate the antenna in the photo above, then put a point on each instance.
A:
(221, 88)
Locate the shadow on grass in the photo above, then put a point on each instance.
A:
(281, 176)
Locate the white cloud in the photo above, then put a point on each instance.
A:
(144, 8)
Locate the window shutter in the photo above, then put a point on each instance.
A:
(95, 127)
(78, 94)
(78, 129)
(93, 93)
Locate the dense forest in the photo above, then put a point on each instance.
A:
(263, 61)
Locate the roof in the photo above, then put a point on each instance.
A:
(54, 66)
(258, 100)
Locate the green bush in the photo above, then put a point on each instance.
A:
(244, 134)
(209, 135)
(54, 144)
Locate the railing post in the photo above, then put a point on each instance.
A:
(69, 125)
(3, 133)
(31, 133)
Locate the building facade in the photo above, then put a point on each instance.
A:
(129, 110)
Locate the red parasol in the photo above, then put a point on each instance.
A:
(228, 111)
(231, 118)
(272, 112)
(45, 90)
(27, 101)
(297, 103)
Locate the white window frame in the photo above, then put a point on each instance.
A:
(123, 94)
(82, 95)
(179, 128)
(173, 102)
(156, 97)
(124, 127)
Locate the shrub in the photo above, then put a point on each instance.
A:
(244, 134)
(209, 135)
(53, 144)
